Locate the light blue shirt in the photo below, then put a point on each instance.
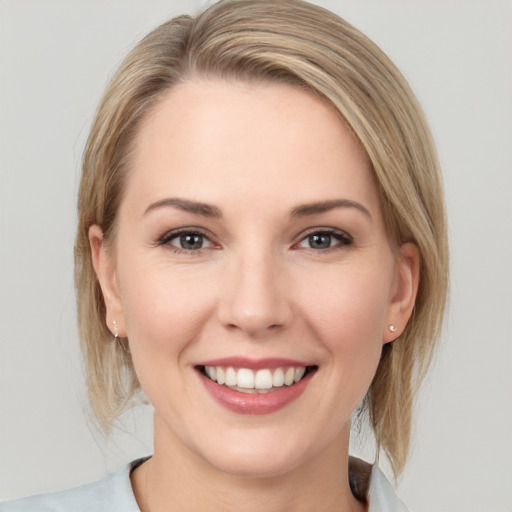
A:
(114, 494)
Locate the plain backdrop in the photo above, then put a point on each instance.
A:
(55, 59)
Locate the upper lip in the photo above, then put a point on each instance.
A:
(254, 364)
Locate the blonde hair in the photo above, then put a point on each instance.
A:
(297, 43)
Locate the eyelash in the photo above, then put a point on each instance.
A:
(166, 239)
(343, 240)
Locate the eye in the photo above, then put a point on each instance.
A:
(325, 239)
(189, 241)
(186, 241)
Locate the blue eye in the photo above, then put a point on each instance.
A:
(186, 241)
(322, 240)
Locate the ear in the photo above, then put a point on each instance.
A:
(407, 276)
(105, 268)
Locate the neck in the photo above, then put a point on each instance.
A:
(177, 479)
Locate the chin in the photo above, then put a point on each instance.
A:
(262, 453)
(257, 465)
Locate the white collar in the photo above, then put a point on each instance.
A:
(381, 495)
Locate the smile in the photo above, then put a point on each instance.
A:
(264, 380)
(246, 386)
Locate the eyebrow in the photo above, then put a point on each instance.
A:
(206, 210)
(325, 206)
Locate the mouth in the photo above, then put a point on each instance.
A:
(260, 381)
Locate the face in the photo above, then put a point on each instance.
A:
(253, 275)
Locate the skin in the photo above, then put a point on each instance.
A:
(256, 288)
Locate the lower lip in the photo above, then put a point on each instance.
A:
(255, 403)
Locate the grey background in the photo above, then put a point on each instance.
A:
(55, 58)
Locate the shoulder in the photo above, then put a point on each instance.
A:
(110, 494)
(114, 494)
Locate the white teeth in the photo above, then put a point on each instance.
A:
(231, 379)
(289, 376)
(212, 372)
(278, 378)
(263, 379)
(244, 379)
(299, 373)
(221, 376)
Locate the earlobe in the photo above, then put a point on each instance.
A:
(404, 293)
(104, 266)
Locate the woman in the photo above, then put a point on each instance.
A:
(262, 250)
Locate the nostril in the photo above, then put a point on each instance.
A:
(254, 326)
(251, 303)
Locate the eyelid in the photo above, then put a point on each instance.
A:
(173, 233)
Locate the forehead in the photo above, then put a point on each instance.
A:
(217, 140)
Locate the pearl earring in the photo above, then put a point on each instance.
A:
(116, 334)
(392, 328)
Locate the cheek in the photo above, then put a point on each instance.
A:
(347, 316)
(349, 307)
(163, 310)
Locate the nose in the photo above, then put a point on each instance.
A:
(254, 299)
